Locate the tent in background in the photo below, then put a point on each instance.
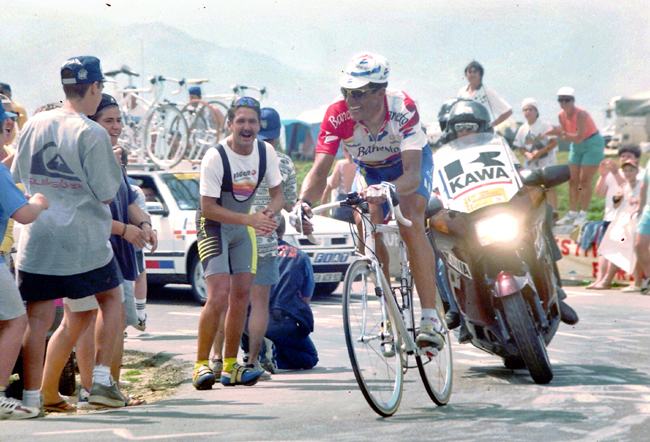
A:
(636, 105)
(301, 133)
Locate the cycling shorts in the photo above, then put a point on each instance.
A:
(368, 176)
(226, 248)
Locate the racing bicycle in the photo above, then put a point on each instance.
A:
(379, 319)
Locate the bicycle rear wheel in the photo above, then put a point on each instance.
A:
(436, 367)
(165, 136)
(205, 129)
(370, 340)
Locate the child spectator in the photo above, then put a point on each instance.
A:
(13, 316)
(608, 186)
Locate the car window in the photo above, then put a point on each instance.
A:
(185, 189)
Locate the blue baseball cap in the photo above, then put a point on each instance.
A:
(86, 69)
(195, 90)
(4, 114)
(270, 125)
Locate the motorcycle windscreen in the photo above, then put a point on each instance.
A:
(475, 171)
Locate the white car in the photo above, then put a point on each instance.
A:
(176, 260)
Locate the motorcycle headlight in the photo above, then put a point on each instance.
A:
(502, 228)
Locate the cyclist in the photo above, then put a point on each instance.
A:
(381, 129)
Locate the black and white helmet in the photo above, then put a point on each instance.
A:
(443, 114)
(469, 112)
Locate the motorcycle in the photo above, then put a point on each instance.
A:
(489, 224)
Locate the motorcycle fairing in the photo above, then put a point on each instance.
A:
(476, 171)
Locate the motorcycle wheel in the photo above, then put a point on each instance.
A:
(378, 373)
(436, 367)
(529, 342)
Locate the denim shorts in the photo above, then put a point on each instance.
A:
(267, 271)
(588, 153)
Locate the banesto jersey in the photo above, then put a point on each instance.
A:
(401, 131)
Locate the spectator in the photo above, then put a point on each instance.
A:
(587, 151)
(69, 159)
(267, 246)
(341, 181)
(195, 93)
(230, 176)
(537, 148)
(291, 317)
(13, 317)
(608, 185)
(79, 317)
(21, 119)
(625, 201)
(499, 110)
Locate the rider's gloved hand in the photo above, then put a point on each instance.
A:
(299, 218)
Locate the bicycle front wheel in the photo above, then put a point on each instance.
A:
(166, 136)
(436, 367)
(374, 346)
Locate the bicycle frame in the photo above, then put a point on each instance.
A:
(404, 327)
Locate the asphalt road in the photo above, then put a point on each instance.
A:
(600, 392)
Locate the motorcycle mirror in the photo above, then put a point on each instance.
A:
(549, 176)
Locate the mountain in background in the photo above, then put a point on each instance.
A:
(31, 64)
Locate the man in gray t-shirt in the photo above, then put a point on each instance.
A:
(68, 158)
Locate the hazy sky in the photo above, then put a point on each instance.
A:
(598, 47)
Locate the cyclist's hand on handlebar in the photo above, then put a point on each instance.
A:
(299, 218)
(376, 193)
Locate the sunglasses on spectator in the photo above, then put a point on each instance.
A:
(245, 101)
(355, 93)
(564, 99)
(466, 127)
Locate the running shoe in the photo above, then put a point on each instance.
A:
(83, 403)
(142, 323)
(108, 396)
(267, 359)
(216, 365)
(566, 220)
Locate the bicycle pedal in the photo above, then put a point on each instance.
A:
(388, 349)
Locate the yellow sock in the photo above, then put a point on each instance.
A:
(228, 364)
(199, 363)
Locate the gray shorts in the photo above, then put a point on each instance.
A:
(225, 248)
(267, 271)
(11, 304)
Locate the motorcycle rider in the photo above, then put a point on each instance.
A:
(471, 117)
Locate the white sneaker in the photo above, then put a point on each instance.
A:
(11, 408)
(566, 220)
(580, 219)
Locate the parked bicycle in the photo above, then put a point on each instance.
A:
(379, 319)
(151, 129)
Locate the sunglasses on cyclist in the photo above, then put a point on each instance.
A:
(355, 93)
(245, 101)
(466, 127)
(564, 99)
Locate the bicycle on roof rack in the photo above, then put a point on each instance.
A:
(154, 130)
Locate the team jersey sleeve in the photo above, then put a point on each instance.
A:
(273, 176)
(329, 138)
(211, 174)
(413, 137)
